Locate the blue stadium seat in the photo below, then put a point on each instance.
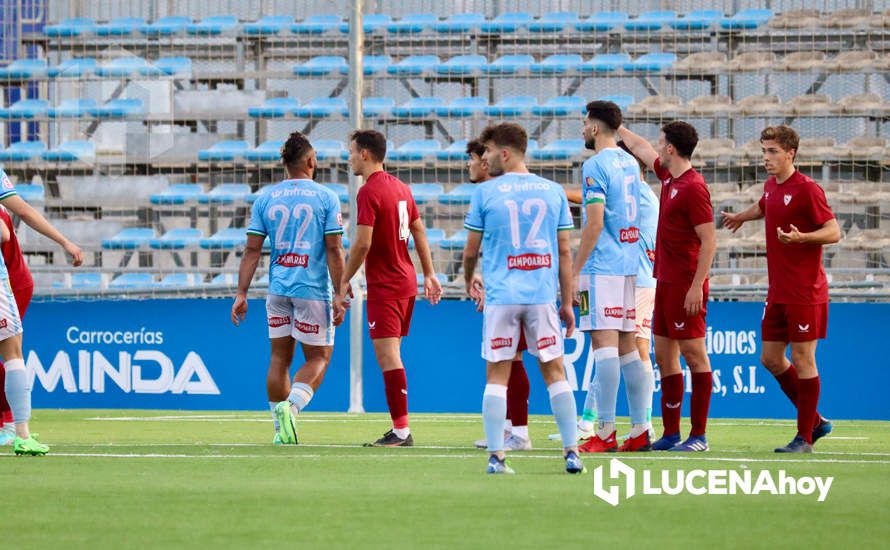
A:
(531, 147)
(457, 150)
(462, 65)
(130, 238)
(122, 66)
(268, 151)
(133, 281)
(75, 26)
(651, 20)
(32, 193)
(461, 23)
(623, 101)
(443, 279)
(697, 20)
(557, 63)
(213, 25)
(73, 108)
(413, 23)
(747, 19)
(22, 151)
(509, 64)
(605, 63)
(603, 21)
(371, 23)
(459, 195)
(224, 151)
(415, 150)
(560, 149)
(224, 280)
(178, 193)
(372, 65)
(177, 239)
(181, 280)
(74, 68)
(377, 107)
(434, 236)
(418, 107)
(425, 193)
(322, 65)
(71, 151)
(268, 25)
(168, 66)
(463, 107)
(317, 24)
(555, 21)
(563, 105)
(455, 242)
(81, 281)
(120, 26)
(118, 108)
(276, 107)
(166, 26)
(225, 193)
(25, 109)
(651, 62)
(507, 22)
(414, 65)
(330, 149)
(513, 105)
(341, 189)
(225, 239)
(323, 107)
(22, 69)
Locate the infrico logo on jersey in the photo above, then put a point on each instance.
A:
(546, 342)
(306, 328)
(629, 235)
(293, 260)
(275, 322)
(616, 312)
(528, 262)
(525, 186)
(498, 343)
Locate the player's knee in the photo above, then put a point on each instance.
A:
(803, 360)
(773, 364)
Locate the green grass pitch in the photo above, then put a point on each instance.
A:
(162, 479)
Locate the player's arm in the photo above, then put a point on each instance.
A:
(36, 221)
(470, 258)
(249, 260)
(734, 220)
(574, 196)
(639, 146)
(431, 287)
(334, 251)
(566, 281)
(357, 254)
(590, 233)
(707, 234)
(829, 233)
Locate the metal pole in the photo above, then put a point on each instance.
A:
(356, 315)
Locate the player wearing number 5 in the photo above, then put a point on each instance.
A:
(386, 217)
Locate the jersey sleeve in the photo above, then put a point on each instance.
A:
(565, 215)
(366, 206)
(475, 220)
(257, 225)
(7, 189)
(333, 224)
(660, 172)
(594, 183)
(820, 212)
(699, 207)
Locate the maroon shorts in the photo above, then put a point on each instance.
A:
(794, 322)
(22, 299)
(669, 316)
(389, 318)
(522, 346)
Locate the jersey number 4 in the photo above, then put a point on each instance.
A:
(540, 212)
(281, 214)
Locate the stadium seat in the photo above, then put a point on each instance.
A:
(697, 20)
(425, 193)
(224, 280)
(166, 26)
(507, 22)
(341, 189)
(133, 281)
(415, 150)
(820, 149)
(752, 61)
(462, 65)
(810, 104)
(712, 105)
(796, 19)
(82, 281)
(457, 241)
(864, 103)
(75, 26)
(372, 65)
(268, 25)
(213, 25)
(463, 107)
(712, 149)
(604, 63)
(23, 69)
(377, 107)
(276, 107)
(603, 21)
(71, 151)
(651, 62)
(434, 236)
(122, 67)
(560, 149)
(73, 108)
(651, 21)
(457, 150)
(563, 105)
(224, 151)
(268, 151)
(118, 108)
(460, 23)
(415, 65)
(856, 60)
(129, 238)
(225, 193)
(120, 26)
(181, 280)
(701, 62)
(623, 101)
(73, 68)
(413, 23)
(22, 151)
(509, 64)
(459, 195)
(177, 239)
(330, 149)
(750, 18)
(322, 107)
(317, 24)
(322, 65)
(443, 279)
(225, 239)
(168, 66)
(556, 21)
(418, 107)
(25, 109)
(178, 193)
(512, 106)
(557, 63)
(867, 148)
(371, 23)
(847, 18)
(658, 105)
(802, 61)
(31, 193)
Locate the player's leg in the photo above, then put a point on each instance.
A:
(636, 377)
(667, 356)
(605, 382)
(280, 319)
(7, 426)
(500, 341)
(586, 323)
(518, 390)
(645, 299)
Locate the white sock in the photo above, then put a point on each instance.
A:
(402, 433)
(300, 396)
(520, 432)
(605, 429)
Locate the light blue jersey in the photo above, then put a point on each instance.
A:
(297, 215)
(7, 189)
(648, 227)
(519, 216)
(612, 177)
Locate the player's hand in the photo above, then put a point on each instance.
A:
(567, 314)
(75, 252)
(792, 237)
(476, 291)
(339, 313)
(732, 220)
(692, 303)
(239, 309)
(432, 289)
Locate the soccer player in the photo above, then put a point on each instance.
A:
(686, 246)
(16, 385)
(303, 221)
(516, 436)
(606, 267)
(798, 223)
(523, 221)
(387, 216)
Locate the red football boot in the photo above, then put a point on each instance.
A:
(596, 444)
(640, 443)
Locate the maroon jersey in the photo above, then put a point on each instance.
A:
(796, 275)
(19, 274)
(386, 204)
(685, 203)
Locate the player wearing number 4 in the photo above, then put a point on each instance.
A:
(303, 221)
(524, 224)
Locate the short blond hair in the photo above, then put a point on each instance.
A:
(785, 136)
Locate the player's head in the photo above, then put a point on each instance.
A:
(779, 145)
(298, 157)
(476, 166)
(367, 148)
(602, 121)
(677, 141)
(505, 146)
(642, 164)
